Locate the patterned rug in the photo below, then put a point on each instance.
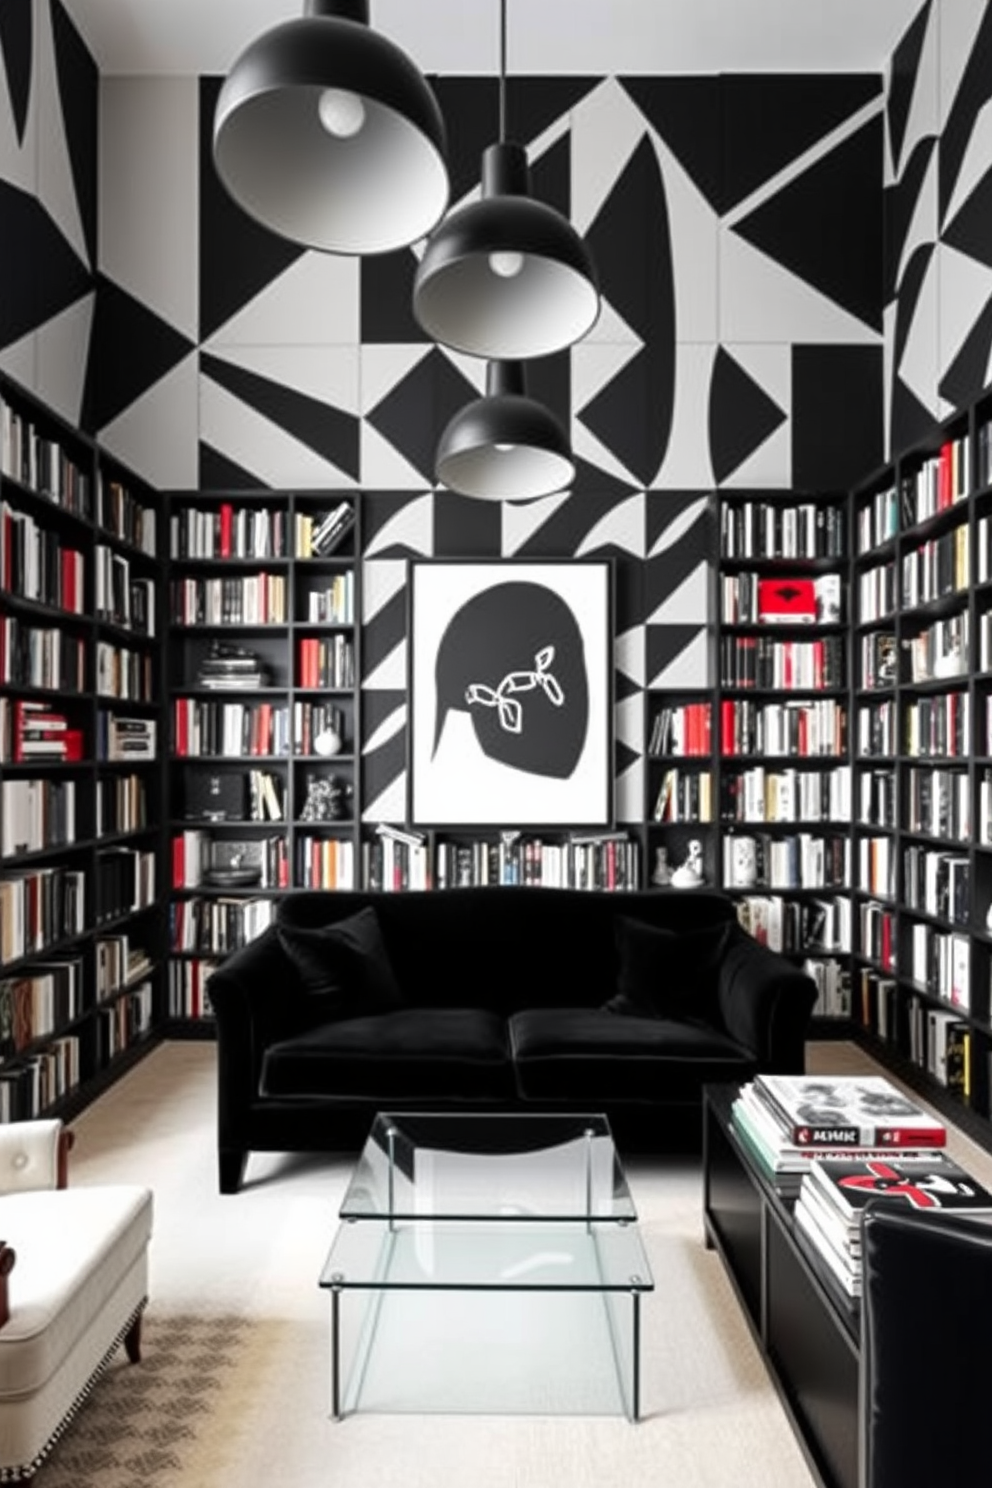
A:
(142, 1425)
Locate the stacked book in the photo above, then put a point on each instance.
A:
(836, 1192)
(787, 1122)
(232, 668)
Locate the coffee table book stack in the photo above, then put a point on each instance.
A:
(788, 1122)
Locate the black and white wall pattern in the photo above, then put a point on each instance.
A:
(738, 226)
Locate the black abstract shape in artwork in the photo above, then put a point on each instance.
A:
(741, 415)
(902, 85)
(513, 659)
(900, 204)
(973, 94)
(16, 44)
(967, 374)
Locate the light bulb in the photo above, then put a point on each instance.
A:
(341, 113)
(506, 262)
(503, 449)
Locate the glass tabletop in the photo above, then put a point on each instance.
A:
(494, 1166)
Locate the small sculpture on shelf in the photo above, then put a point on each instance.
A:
(326, 799)
(661, 875)
(689, 875)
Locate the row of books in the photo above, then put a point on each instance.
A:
(877, 593)
(879, 659)
(32, 731)
(124, 882)
(218, 926)
(832, 980)
(35, 564)
(39, 910)
(119, 511)
(37, 656)
(761, 661)
(118, 964)
(122, 600)
(938, 726)
(760, 794)
(876, 731)
(334, 603)
(941, 651)
(325, 863)
(318, 536)
(123, 673)
(681, 729)
(877, 933)
(121, 805)
(207, 729)
(877, 866)
(753, 599)
(123, 1021)
(326, 661)
(938, 484)
(194, 860)
(877, 798)
(878, 519)
(33, 1005)
(32, 1082)
(769, 529)
(937, 883)
(229, 531)
(937, 568)
(798, 729)
(188, 993)
(801, 860)
(795, 925)
(120, 738)
(940, 962)
(684, 796)
(36, 815)
(246, 599)
(39, 462)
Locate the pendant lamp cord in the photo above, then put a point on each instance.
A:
(502, 72)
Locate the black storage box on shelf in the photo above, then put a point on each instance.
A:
(216, 795)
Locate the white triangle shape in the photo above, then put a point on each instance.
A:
(607, 127)
(629, 654)
(769, 465)
(156, 436)
(521, 519)
(391, 805)
(761, 301)
(328, 374)
(388, 729)
(255, 443)
(976, 163)
(923, 223)
(586, 445)
(411, 527)
(629, 722)
(63, 356)
(381, 466)
(383, 368)
(688, 464)
(20, 359)
(316, 301)
(691, 668)
(629, 794)
(621, 527)
(18, 163)
(689, 603)
(918, 365)
(695, 241)
(390, 674)
(56, 187)
(382, 580)
(965, 287)
(959, 22)
(922, 121)
(593, 367)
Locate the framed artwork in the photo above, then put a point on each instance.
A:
(511, 693)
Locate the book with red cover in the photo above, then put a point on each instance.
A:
(847, 1111)
(786, 601)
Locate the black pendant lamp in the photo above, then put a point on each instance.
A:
(328, 134)
(505, 446)
(507, 277)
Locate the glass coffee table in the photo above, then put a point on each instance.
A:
(489, 1263)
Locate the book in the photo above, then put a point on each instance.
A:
(847, 1111)
(787, 601)
(939, 1185)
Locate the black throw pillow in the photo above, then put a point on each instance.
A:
(668, 973)
(344, 967)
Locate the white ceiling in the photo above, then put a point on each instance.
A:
(593, 37)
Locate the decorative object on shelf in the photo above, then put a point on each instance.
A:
(743, 862)
(505, 446)
(689, 875)
(229, 866)
(327, 742)
(231, 667)
(511, 703)
(328, 134)
(507, 276)
(216, 796)
(661, 874)
(326, 800)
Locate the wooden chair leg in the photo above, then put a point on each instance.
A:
(132, 1341)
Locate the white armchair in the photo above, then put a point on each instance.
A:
(73, 1284)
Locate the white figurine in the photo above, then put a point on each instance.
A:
(662, 875)
(690, 874)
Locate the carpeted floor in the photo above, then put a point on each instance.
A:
(233, 1388)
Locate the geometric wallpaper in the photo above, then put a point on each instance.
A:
(771, 317)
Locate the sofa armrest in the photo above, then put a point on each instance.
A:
(765, 1002)
(34, 1154)
(248, 994)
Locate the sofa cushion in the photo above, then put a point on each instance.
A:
(589, 1055)
(667, 973)
(412, 1054)
(72, 1246)
(342, 969)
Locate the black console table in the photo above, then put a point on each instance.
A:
(808, 1330)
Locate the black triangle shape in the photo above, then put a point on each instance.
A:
(902, 81)
(970, 231)
(769, 121)
(330, 432)
(551, 176)
(378, 705)
(238, 257)
(534, 103)
(974, 92)
(115, 381)
(384, 632)
(632, 415)
(742, 415)
(42, 274)
(664, 508)
(414, 412)
(628, 589)
(967, 375)
(590, 480)
(387, 299)
(900, 202)
(79, 85)
(625, 758)
(568, 526)
(382, 767)
(629, 239)
(663, 643)
(465, 527)
(218, 473)
(378, 510)
(910, 422)
(686, 112)
(471, 115)
(667, 570)
(16, 42)
(836, 386)
(810, 224)
(624, 687)
(909, 294)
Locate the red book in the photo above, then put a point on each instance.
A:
(226, 524)
(73, 744)
(182, 726)
(727, 727)
(178, 862)
(786, 601)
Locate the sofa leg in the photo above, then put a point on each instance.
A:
(233, 1162)
(132, 1340)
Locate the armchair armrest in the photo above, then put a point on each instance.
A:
(7, 1258)
(34, 1154)
(766, 1003)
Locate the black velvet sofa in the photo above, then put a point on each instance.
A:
(493, 999)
